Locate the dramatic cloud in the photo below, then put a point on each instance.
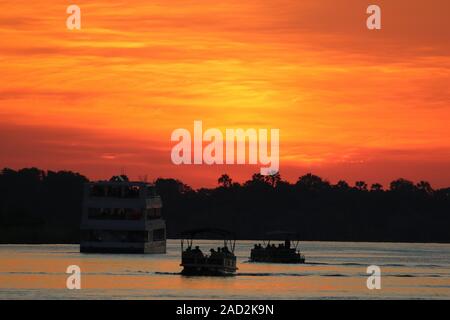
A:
(350, 103)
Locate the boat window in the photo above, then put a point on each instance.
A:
(153, 213)
(131, 192)
(134, 214)
(97, 191)
(159, 234)
(115, 236)
(114, 191)
(115, 214)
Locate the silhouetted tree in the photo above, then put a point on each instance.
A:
(45, 206)
(225, 181)
(257, 180)
(273, 179)
(402, 185)
(38, 206)
(312, 182)
(425, 187)
(171, 186)
(361, 186)
(376, 187)
(343, 185)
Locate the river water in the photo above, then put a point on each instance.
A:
(334, 270)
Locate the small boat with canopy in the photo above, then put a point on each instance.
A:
(219, 262)
(282, 252)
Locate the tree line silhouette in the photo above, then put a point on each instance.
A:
(39, 206)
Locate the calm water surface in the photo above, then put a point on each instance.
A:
(334, 271)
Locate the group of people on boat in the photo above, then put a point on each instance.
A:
(222, 261)
(273, 247)
(276, 253)
(215, 257)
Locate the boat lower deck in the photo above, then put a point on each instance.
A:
(154, 247)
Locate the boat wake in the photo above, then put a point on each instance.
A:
(266, 274)
(311, 274)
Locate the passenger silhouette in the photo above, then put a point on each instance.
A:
(287, 243)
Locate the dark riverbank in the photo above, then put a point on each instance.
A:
(45, 207)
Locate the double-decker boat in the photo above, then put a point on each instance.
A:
(283, 252)
(220, 262)
(120, 216)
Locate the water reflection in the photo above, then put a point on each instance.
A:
(335, 270)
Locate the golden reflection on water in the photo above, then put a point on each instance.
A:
(41, 270)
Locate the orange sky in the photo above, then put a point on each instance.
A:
(350, 103)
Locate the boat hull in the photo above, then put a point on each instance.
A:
(205, 270)
(285, 261)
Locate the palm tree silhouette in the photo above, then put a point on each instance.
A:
(225, 181)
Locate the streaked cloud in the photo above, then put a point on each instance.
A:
(343, 97)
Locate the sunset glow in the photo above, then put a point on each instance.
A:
(350, 103)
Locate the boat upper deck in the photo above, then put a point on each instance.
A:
(121, 204)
